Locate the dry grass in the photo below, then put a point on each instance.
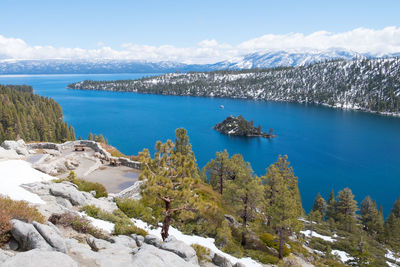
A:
(78, 223)
(12, 209)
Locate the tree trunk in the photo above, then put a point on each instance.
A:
(244, 222)
(281, 243)
(167, 219)
(221, 179)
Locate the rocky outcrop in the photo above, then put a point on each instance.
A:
(28, 237)
(52, 237)
(60, 197)
(132, 192)
(221, 261)
(148, 255)
(180, 248)
(18, 146)
(68, 191)
(153, 240)
(40, 258)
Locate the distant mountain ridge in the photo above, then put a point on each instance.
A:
(364, 84)
(109, 66)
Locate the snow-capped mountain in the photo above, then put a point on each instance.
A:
(285, 58)
(266, 59)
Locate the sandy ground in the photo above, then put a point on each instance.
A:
(114, 178)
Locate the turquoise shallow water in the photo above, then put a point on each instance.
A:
(328, 148)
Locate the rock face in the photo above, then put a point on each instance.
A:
(149, 255)
(39, 258)
(28, 237)
(180, 248)
(132, 192)
(51, 236)
(221, 261)
(238, 126)
(153, 240)
(69, 192)
(18, 146)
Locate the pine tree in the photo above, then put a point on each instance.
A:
(371, 218)
(182, 144)
(331, 208)
(170, 177)
(101, 139)
(219, 170)
(346, 208)
(90, 137)
(244, 194)
(281, 203)
(319, 206)
(392, 225)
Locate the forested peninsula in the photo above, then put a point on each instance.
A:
(371, 85)
(25, 115)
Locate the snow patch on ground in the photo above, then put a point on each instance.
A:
(13, 173)
(391, 264)
(107, 227)
(309, 233)
(344, 256)
(193, 239)
(392, 256)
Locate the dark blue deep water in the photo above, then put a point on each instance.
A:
(328, 148)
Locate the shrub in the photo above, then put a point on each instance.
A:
(273, 242)
(122, 228)
(89, 186)
(136, 209)
(12, 209)
(123, 225)
(78, 223)
(262, 256)
(201, 252)
(98, 213)
(225, 240)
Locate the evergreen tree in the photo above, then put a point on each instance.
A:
(31, 117)
(371, 218)
(219, 170)
(331, 208)
(170, 177)
(182, 144)
(281, 201)
(392, 225)
(101, 139)
(90, 137)
(244, 194)
(346, 208)
(319, 206)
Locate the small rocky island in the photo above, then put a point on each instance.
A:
(239, 126)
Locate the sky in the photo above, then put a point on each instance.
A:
(193, 31)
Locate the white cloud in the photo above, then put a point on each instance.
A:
(360, 40)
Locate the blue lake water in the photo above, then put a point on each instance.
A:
(328, 148)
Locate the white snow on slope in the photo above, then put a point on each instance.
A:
(310, 233)
(344, 256)
(392, 256)
(106, 226)
(13, 173)
(193, 239)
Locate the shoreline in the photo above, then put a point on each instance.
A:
(336, 106)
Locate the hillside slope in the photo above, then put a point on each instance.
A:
(365, 84)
